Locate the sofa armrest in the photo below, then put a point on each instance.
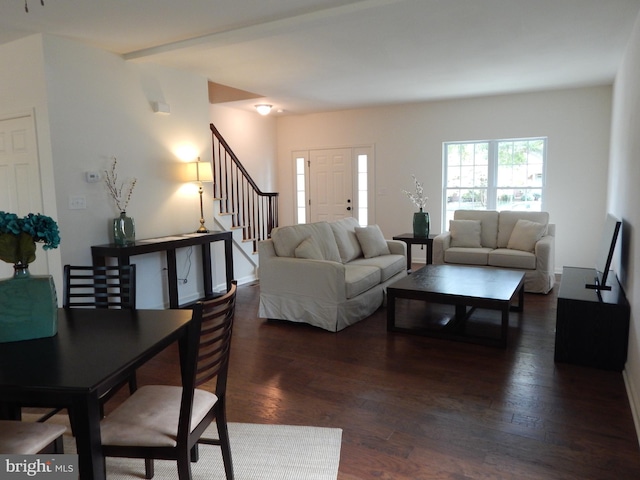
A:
(397, 247)
(319, 279)
(440, 243)
(545, 254)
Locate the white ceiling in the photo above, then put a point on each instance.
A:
(314, 55)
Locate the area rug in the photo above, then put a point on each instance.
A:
(259, 452)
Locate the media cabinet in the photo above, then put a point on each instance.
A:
(592, 326)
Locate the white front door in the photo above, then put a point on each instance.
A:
(330, 184)
(20, 186)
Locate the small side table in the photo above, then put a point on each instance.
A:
(409, 239)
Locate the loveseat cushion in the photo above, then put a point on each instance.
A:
(372, 241)
(345, 235)
(489, 221)
(287, 239)
(465, 233)
(507, 258)
(525, 235)
(308, 249)
(360, 278)
(389, 265)
(466, 255)
(508, 220)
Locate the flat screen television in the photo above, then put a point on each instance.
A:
(605, 253)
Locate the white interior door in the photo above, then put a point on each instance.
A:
(20, 186)
(330, 184)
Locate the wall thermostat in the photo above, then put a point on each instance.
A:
(92, 177)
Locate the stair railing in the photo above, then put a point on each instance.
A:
(251, 210)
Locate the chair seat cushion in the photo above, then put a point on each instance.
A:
(470, 256)
(27, 438)
(389, 265)
(503, 257)
(150, 416)
(360, 278)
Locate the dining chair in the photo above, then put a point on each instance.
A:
(110, 286)
(167, 422)
(28, 438)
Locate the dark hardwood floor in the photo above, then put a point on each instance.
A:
(414, 407)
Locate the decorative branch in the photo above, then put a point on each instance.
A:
(121, 193)
(26, 7)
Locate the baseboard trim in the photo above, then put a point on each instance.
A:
(634, 402)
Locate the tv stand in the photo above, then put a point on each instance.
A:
(592, 325)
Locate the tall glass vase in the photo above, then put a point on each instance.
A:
(124, 230)
(28, 306)
(421, 224)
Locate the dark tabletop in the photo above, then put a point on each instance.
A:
(91, 348)
(463, 281)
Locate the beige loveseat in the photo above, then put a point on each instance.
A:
(330, 275)
(507, 239)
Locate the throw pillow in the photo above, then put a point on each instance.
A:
(465, 233)
(308, 249)
(372, 241)
(525, 235)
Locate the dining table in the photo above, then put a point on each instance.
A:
(93, 351)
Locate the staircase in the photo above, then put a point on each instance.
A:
(244, 206)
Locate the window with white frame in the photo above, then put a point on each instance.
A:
(363, 187)
(493, 175)
(301, 189)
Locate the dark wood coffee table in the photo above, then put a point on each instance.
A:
(462, 287)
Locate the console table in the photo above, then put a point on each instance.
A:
(169, 244)
(592, 326)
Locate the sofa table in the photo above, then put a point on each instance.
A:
(123, 254)
(410, 239)
(592, 326)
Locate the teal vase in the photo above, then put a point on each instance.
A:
(28, 306)
(421, 224)
(124, 230)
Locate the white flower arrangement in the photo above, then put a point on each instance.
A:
(418, 198)
(121, 193)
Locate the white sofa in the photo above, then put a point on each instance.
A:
(506, 239)
(330, 275)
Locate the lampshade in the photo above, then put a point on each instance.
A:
(263, 108)
(199, 172)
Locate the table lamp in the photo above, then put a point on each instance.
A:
(200, 172)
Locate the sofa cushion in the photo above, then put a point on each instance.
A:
(389, 265)
(465, 233)
(502, 257)
(471, 256)
(287, 239)
(489, 220)
(372, 241)
(525, 235)
(360, 278)
(309, 249)
(508, 220)
(345, 234)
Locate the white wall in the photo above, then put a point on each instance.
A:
(624, 198)
(96, 106)
(23, 89)
(408, 139)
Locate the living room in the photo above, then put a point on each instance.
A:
(89, 105)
